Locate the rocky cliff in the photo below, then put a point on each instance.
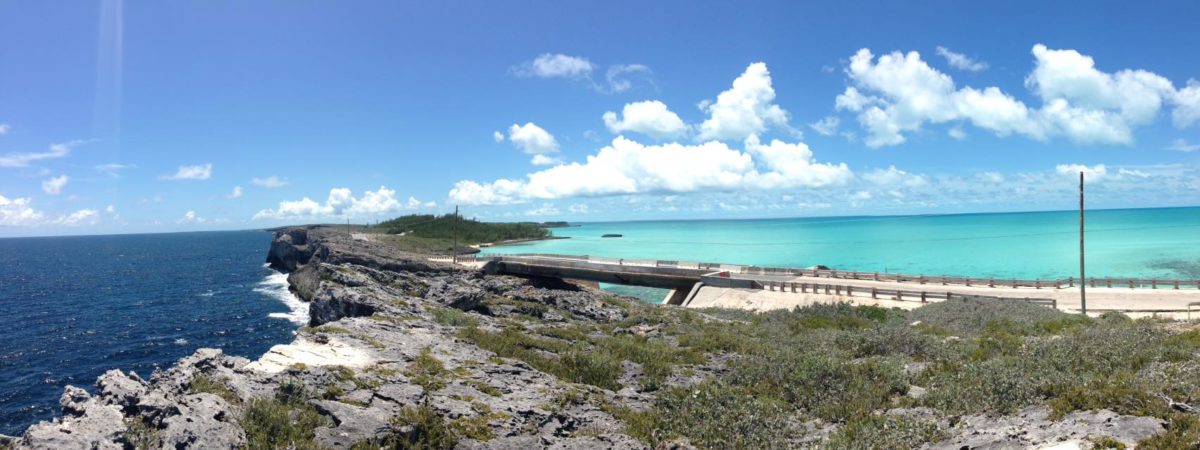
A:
(383, 341)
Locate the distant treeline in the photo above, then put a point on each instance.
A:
(468, 231)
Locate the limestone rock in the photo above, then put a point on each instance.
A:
(205, 421)
(453, 295)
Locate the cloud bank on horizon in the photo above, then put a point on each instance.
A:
(891, 96)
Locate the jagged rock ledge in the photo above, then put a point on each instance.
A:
(371, 316)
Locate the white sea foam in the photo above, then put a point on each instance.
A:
(275, 286)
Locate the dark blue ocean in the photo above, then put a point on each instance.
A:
(74, 307)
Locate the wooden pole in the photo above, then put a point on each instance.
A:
(454, 227)
(1082, 276)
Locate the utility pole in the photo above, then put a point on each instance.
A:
(454, 227)
(1082, 276)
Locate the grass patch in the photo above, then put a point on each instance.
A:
(427, 371)
(453, 317)
(209, 385)
(137, 435)
(283, 421)
(884, 432)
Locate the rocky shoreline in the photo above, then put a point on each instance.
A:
(371, 316)
(402, 352)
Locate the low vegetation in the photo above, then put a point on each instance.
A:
(847, 365)
(286, 420)
(468, 231)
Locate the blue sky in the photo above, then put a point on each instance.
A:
(151, 116)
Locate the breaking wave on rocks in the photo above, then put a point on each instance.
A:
(275, 286)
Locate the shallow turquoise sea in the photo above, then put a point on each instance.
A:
(1163, 243)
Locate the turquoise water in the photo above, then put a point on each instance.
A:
(1163, 243)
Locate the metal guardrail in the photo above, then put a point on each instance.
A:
(1153, 283)
(892, 294)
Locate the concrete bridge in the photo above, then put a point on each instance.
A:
(697, 284)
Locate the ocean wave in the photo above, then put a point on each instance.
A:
(275, 285)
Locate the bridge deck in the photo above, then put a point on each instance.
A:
(773, 287)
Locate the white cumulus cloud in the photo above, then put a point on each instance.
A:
(190, 218)
(270, 182)
(235, 193)
(650, 117)
(79, 218)
(54, 186)
(746, 108)
(629, 167)
(827, 126)
(893, 177)
(18, 212)
(897, 93)
(960, 61)
(1090, 174)
(196, 172)
(554, 65)
(342, 202)
(533, 140)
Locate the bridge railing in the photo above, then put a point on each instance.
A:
(890, 294)
(1152, 283)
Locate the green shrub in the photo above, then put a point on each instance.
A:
(1182, 433)
(292, 391)
(427, 371)
(210, 385)
(831, 387)
(138, 435)
(430, 430)
(884, 432)
(715, 415)
(594, 368)
(971, 317)
(656, 357)
(274, 424)
(454, 317)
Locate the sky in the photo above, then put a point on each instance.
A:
(120, 117)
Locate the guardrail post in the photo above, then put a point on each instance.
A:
(922, 296)
(873, 293)
(876, 276)
(1093, 281)
(849, 291)
(1176, 284)
(1070, 281)
(921, 279)
(991, 282)
(968, 281)
(947, 295)
(1154, 283)
(837, 290)
(1131, 283)
(827, 289)
(1108, 282)
(1037, 284)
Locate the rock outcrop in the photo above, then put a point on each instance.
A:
(363, 359)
